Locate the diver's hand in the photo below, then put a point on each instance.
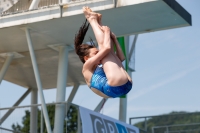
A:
(105, 29)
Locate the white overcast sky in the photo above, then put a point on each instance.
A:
(167, 76)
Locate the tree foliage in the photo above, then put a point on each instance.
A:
(71, 121)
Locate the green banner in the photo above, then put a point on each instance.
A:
(123, 47)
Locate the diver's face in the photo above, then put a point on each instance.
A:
(93, 52)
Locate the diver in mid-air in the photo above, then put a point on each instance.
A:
(102, 69)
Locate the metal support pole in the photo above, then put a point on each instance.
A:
(41, 122)
(129, 121)
(79, 122)
(34, 4)
(115, 3)
(167, 129)
(34, 112)
(61, 11)
(16, 104)
(152, 129)
(100, 105)
(131, 58)
(145, 124)
(71, 97)
(38, 81)
(5, 66)
(133, 46)
(122, 109)
(61, 89)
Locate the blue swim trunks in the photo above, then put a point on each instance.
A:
(99, 82)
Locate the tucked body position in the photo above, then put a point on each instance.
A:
(102, 68)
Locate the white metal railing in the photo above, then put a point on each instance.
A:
(5, 130)
(167, 128)
(20, 111)
(23, 6)
(158, 129)
(18, 6)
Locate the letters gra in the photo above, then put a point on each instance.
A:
(101, 125)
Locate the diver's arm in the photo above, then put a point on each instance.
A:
(104, 50)
(119, 51)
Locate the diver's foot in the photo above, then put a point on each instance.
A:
(89, 9)
(98, 14)
(89, 14)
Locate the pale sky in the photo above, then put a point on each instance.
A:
(167, 76)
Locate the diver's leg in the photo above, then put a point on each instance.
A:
(92, 17)
(111, 64)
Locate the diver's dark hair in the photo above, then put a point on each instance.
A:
(82, 49)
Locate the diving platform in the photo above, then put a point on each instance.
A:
(57, 25)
